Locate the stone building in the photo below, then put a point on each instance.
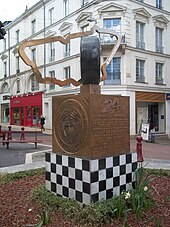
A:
(140, 69)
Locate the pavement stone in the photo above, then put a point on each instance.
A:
(160, 152)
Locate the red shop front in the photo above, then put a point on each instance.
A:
(26, 109)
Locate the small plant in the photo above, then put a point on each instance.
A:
(141, 196)
(44, 219)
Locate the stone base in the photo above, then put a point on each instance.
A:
(89, 181)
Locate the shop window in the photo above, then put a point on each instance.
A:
(16, 115)
(36, 115)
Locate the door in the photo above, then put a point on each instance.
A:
(153, 116)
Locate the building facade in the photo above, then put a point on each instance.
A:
(140, 69)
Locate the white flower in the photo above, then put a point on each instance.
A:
(145, 188)
(127, 195)
(29, 210)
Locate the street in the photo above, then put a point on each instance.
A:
(19, 153)
(26, 153)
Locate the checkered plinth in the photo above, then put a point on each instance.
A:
(88, 181)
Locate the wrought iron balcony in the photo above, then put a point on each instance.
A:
(113, 79)
(159, 80)
(140, 45)
(159, 49)
(140, 79)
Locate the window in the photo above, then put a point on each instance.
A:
(17, 36)
(5, 88)
(51, 16)
(113, 72)
(52, 74)
(33, 28)
(5, 69)
(18, 86)
(67, 50)
(85, 28)
(159, 33)
(51, 52)
(140, 35)
(114, 24)
(140, 70)
(34, 83)
(33, 53)
(84, 2)
(67, 73)
(159, 73)
(66, 7)
(4, 43)
(159, 4)
(17, 65)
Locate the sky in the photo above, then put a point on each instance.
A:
(11, 9)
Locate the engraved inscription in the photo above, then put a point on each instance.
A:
(71, 126)
(111, 105)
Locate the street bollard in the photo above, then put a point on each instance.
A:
(139, 149)
(9, 133)
(22, 134)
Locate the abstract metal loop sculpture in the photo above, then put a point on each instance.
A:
(49, 80)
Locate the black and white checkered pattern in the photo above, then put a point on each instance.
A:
(89, 180)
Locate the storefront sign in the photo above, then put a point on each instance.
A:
(168, 96)
(6, 97)
(145, 131)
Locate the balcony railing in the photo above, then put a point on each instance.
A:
(159, 49)
(140, 79)
(140, 45)
(106, 39)
(159, 80)
(66, 53)
(113, 79)
(51, 59)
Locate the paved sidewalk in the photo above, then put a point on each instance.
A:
(156, 156)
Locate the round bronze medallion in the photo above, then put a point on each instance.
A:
(71, 126)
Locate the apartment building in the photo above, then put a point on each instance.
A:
(140, 68)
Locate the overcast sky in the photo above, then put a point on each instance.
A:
(10, 9)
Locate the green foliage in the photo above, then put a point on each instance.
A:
(141, 196)
(158, 172)
(9, 177)
(138, 201)
(44, 219)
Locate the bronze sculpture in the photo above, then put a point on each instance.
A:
(84, 79)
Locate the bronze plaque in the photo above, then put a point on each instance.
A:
(91, 125)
